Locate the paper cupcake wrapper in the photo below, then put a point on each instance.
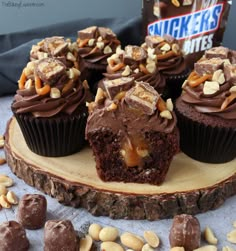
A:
(206, 143)
(174, 83)
(53, 137)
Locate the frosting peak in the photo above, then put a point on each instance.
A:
(47, 87)
(211, 87)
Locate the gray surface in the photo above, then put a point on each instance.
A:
(219, 220)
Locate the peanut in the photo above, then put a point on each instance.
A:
(151, 238)
(131, 241)
(11, 198)
(107, 50)
(126, 71)
(94, 230)
(210, 87)
(100, 95)
(147, 247)
(166, 114)
(165, 47)
(5, 180)
(2, 161)
(1, 142)
(111, 246)
(108, 234)
(3, 202)
(227, 248)
(176, 3)
(231, 236)
(175, 48)
(232, 89)
(55, 93)
(169, 105)
(112, 107)
(3, 190)
(70, 57)
(177, 249)
(209, 236)
(218, 76)
(86, 243)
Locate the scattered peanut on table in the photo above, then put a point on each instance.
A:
(7, 198)
(112, 241)
(209, 236)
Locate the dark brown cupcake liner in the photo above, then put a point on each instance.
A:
(93, 74)
(173, 87)
(206, 143)
(53, 137)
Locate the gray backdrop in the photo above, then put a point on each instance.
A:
(17, 15)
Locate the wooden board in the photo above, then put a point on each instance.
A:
(190, 186)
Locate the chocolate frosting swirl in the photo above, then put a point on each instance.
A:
(127, 120)
(138, 106)
(210, 104)
(96, 44)
(220, 102)
(154, 78)
(28, 101)
(73, 94)
(169, 55)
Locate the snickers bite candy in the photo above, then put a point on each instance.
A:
(13, 237)
(32, 211)
(60, 235)
(185, 232)
(58, 47)
(142, 97)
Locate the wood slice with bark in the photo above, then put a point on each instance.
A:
(190, 187)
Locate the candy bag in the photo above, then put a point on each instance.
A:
(198, 25)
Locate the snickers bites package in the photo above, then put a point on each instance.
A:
(198, 25)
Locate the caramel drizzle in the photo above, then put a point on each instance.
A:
(143, 69)
(161, 105)
(38, 87)
(195, 80)
(41, 90)
(166, 55)
(115, 66)
(22, 80)
(82, 42)
(228, 100)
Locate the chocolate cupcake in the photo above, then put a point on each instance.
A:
(136, 63)
(50, 107)
(60, 235)
(206, 109)
(170, 62)
(132, 132)
(13, 237)
(96, 44)
(32, 210)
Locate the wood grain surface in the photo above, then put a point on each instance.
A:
(190, 186)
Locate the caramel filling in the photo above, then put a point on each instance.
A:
(133, 150)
